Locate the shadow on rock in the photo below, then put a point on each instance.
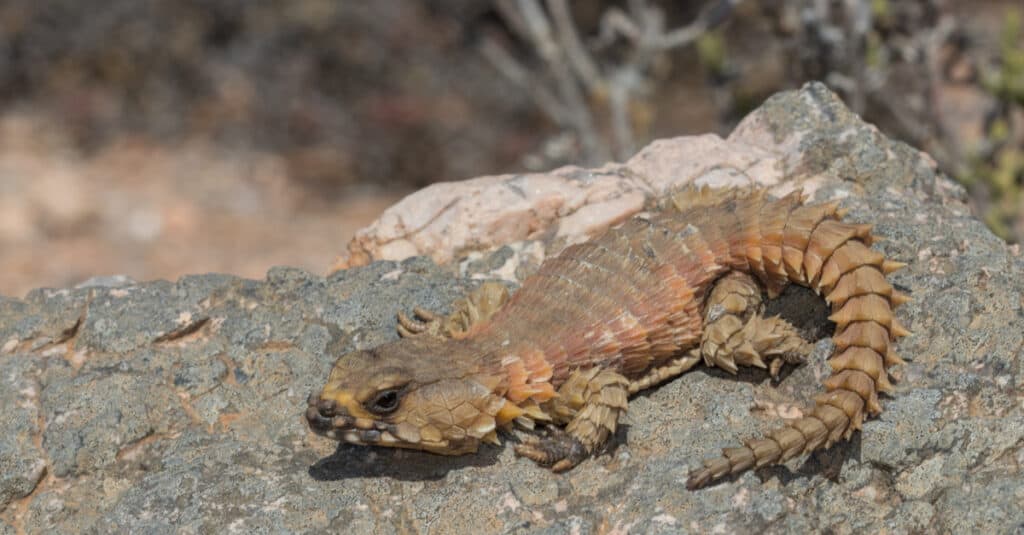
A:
(350, 461)
(751, 375)
(826, 463)
(807, 311)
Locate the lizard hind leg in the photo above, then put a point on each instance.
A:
(467, 313)
(737, 334)
(591, 401)
(837, 261)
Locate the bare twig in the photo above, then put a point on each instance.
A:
(594, 150)
(580, 60)
(646, 27)
(579, 82)
(520, 76)
(539, 29)
(622, 128)
(616, 22)
(513, 18)
(709, 19)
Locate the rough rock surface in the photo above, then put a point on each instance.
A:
(160, 407)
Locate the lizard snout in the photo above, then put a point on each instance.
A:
(324, 416)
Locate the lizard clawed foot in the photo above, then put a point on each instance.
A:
(423, 322)
(559, 450)
(467, 313)
(777, 340)
(762, 342)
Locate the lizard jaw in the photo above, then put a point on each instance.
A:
(327, 419)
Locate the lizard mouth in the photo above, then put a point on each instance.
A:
(327, 418)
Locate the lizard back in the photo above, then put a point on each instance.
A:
(632, 298)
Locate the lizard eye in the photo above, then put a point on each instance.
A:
(384, 402)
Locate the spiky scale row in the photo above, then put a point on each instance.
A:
(815, 249)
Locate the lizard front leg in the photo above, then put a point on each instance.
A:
(472, 310)
(737, 334)
(591, 401)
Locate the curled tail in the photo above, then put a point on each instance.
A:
(809, 246)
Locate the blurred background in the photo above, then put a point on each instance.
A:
(154, 138)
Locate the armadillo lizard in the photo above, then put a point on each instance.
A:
(642, 303)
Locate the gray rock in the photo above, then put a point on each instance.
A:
(177, 406)
(22, 462)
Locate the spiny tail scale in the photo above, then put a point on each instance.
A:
(813, 248)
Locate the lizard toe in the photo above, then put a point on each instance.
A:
(558, 451)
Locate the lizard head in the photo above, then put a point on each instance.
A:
(388, 397)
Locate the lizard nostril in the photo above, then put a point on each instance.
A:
(327, 407)
(316, 421)
(322, 414)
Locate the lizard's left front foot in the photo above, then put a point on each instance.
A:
(422, 322)
(558, 450)
(591, 402)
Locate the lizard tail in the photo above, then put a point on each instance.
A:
(833, 258)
